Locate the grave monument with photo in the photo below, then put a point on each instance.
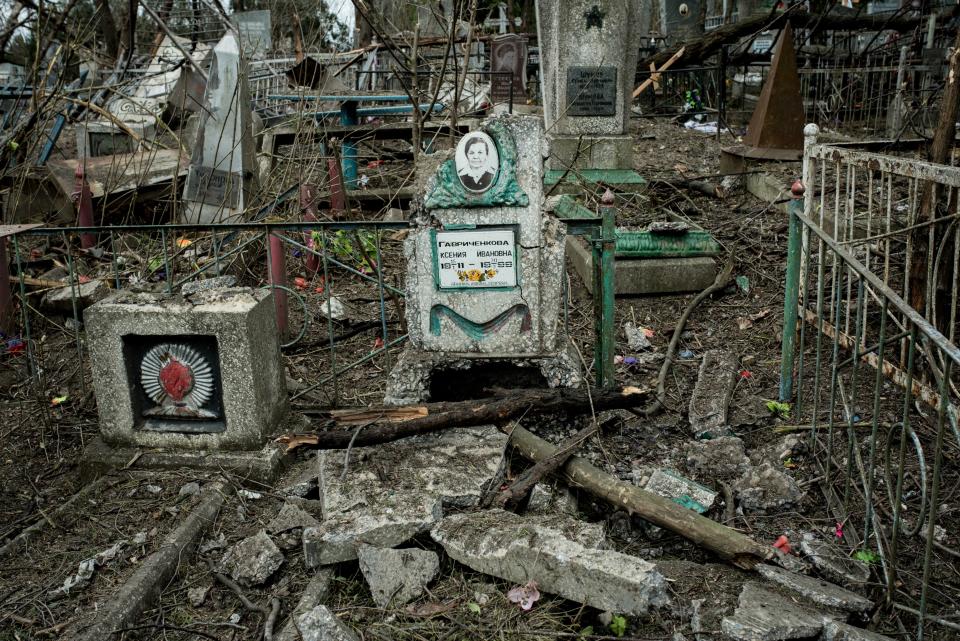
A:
(485, 265)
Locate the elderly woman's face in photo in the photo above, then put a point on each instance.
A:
(477, 154)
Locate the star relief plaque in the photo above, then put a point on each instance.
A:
(482, 173)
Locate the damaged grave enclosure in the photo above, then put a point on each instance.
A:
(593, 319)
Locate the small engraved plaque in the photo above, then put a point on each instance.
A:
(213, 187)
(591, 91)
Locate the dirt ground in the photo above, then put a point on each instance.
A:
(42, 440)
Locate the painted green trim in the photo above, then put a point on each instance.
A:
(567, 208)
(791, 295)
(449, 193)
(645, 244)
(479, 331)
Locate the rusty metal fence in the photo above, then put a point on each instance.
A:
(873, 381)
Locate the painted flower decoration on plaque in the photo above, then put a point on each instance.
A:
(178, 379)
(477, 161)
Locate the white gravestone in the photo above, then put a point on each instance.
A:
(223, 172)
(485, 264)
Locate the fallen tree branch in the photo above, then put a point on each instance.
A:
(525, 482)
(700, 186)
(725, 542)
(719, 283)
(403, 422)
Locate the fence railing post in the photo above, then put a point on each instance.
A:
(795, 267)
(603, 292)
(277, 265)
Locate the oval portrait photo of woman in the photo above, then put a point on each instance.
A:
(477, 161)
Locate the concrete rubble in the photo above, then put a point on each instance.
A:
(392, 492)
(765, 488)
(833, 562)
(712, 394)
(320, 624)
(683, 491)
(517, 549)
(253, 560)
(722, 458)
(815, 590)
(397, 577)
(763, 615)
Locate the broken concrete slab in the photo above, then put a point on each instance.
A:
(712, 393)
(314, 593)
(397, 577)
(394, 491)
(681, 491)
(815, 590)
(86, 294)
(517, 549)
(253, 560)
(718, 458)
(766, 488)
(833, 562)
(763, 615)
(289, 517)
(836, 631)
(320, 624)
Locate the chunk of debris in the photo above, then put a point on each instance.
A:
(320, 624)
(766, 616)
(394, 491)
(78, 581)
(514, 548)
(766, 488)
(333, 308)
(195, 286)
(815, 590)
(217, 543)
(547, 499)
(833, 562)
(719, 458)
(314, 593)
(198, 595)
(712, 393)
(681, 491)
(836, 631)
(189, 489)
(289, 517)
(253, 560)
(636, 337)
(61, 299)
(397, 577)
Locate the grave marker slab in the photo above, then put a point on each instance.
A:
(588, 58)
(196, 374)
(508, 53)
(485, 264)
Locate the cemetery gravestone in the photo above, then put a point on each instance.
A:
(223, 172)
(508, 53)
(485, 264)
(255, 31)
(588, 59)
(198, 376)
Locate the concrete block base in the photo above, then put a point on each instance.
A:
(646, 276)
(262, 465)
(591, 152)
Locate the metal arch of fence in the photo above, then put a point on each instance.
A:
(873, 382)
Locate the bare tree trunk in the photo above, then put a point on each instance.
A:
(939, 152)
(107, 28)
(364, 28)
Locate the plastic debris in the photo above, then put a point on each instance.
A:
(524, 595)
(783, 544)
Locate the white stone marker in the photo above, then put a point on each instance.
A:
(223, 171)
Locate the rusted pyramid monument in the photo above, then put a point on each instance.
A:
(775, 131)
